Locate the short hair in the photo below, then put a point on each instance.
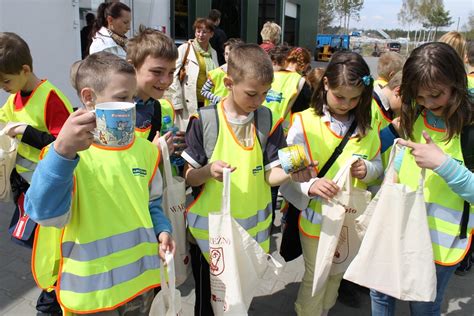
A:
(214, 15)
(95, 70)
(203, 22)
(389, 63)
(14, 53)
(232, 42)
(271, 32)
(279, 54)
(456, 41)
(470, 53)
(249, 61)
(150, 42)
(396, 81)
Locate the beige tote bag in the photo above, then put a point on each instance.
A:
(8, 150)
(396, 255)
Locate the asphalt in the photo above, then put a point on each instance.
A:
(275, 295)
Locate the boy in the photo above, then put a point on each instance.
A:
(43, 109)
(107, 202)
(389, 64)
(214, 89)
(234, 145)
(386, 102)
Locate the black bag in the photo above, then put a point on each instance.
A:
(290, 247)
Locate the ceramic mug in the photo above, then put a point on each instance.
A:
(115, 124)
(293, 158)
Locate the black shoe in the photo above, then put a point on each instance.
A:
(465, 265)
(348, 294)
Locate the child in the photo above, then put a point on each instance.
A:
(388, 65)
(249, 76)
(214, 89)
(107, 202)
(314, 77)
(299, 60)
(342, 99)
(436, 110)
(44, 109)
(456, 41)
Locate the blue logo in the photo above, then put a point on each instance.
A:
(256, 170)
(139, 172)
(274, 96)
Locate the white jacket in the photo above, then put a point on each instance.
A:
(103, 42)
(184, 95)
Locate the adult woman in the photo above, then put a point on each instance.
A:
(113, 22)
(196, 59)
(270, 33)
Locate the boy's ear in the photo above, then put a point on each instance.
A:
(26, 69)
(88, 98)
(228, 82)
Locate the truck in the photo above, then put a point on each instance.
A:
(327, 44)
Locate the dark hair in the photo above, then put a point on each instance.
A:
(95, 70)
(150, 42)
(249, 61)
(113, 9)
(14, 53)
(347, 69)
(203, 22)
(278, 54)
(90, 18)
(214, 15)
(430, 66)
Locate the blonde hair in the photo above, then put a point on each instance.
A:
(396, 81)
(249, 61)
(271, 32)
(456, 41)
(389, 64)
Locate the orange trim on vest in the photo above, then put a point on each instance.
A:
(114, 148)
(27, 101)
(233, 134)
(302, 231)
(379, 108)
(427, 125)
(462, 257)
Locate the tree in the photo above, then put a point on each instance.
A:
(326, 14)
(348, 9)
(468, 28)
(439, 17)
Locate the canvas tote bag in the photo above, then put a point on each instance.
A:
(168, 301)
(237, 262)
(338, 241)
(8, 150)
(396, 255)
(173, 201)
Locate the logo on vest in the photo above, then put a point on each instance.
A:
(216, 260)
(459, 161)
(274, 96)
(360, 156)
(139, 172)
(256, 170)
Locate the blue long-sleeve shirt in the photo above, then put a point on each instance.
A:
(48, 200)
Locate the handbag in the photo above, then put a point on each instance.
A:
(8, 150)
(168, 301)
(237, 262)
(182, 70)
(396, 254)
(290, 247)
(174, 201)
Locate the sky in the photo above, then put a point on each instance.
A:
(383, 14)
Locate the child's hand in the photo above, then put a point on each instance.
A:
(169, 141)
(216, 169)
(359, 169)
(427, 155)
(306, 174)
(324, 188)
(166, 244)
(16, 129)
(76, 134)
(179, 142)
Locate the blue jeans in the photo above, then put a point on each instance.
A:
(384, 305)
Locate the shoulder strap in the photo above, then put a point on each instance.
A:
(210, 128)
(183, 64)
(263, 124)
(338, 150)
(155, 120)
(467, 138)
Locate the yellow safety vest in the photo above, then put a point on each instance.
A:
(381, 82)
(444, 207)
(470, 84)
(217, 77)
(284, 88)
(321, 142)
(166, 109)
(250, 194)
(108, 250)
(33, 114)
(46, 256)
(379, 122)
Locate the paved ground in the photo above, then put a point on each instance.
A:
(275, 297)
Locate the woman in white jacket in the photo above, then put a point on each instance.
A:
(198, 58)
(113, 22)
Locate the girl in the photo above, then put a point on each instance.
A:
(435, 109)
(342, 97)
(113, 22)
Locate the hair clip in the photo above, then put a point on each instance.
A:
(367, 80)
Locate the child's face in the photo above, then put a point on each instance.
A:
(12, 83)
(154, 76)
(121, 88)
(226, 53)
(434, 99)
(342, 99)
(247, 95)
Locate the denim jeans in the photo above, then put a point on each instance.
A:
(384, 305)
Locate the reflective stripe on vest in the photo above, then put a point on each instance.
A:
(250, 194)
(33, 114)
(321, 142)
(217, 77)
(109, 251)
(444, 207)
